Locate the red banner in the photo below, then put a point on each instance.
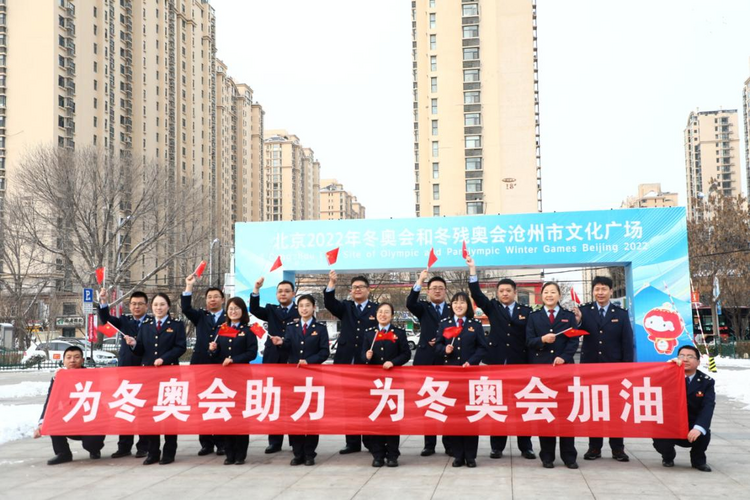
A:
(591, 400)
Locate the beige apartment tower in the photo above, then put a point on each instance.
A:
(476, 107)
(650, 196)
(746, 128)
(712, 149)
(336, 203)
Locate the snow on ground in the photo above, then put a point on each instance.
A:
(18, 421)
(731, 378)
(24, 390)
(728, 362)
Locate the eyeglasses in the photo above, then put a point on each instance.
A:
(437, 289)
(359, 287)
(686, 356)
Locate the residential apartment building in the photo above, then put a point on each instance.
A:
(336, 203)
(650, 196)
(746, 127)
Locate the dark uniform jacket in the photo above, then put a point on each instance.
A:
(168, 344)
(127, 325)
(470, 345)
(506, 340)
(46, 401)
(397, 352)
(610, 340)
(242, 349)
(353, 326)
(312, 347)
(205, 330)
(701, 399)
(563, 347)
(429, 322)
(277, 320)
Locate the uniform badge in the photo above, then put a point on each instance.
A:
(563, 321)
(615, 320)
(240, 334)
(169, 330)
(314, 333)
(699, 394)
(471, 328)
(521, 317)
(371, 318)
(296, 320)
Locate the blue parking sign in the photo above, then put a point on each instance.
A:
(88, 295)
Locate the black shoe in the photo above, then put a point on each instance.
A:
(141, 454)
(273, 448)
(528, 454)
(220, 452)
(471, 463)
(297, 461)
(150, 459)
(702, 467)
(496, 454)
(620, 456)
(391, 462)
(592, 454)
(548, 465)
(205, 451)
(378, 462)
(458, 462)
(229, 461)
(426, 452)
(95, 455)
(166, 460)
(121, 453)
(239, 462)
(349, 449)
(309, 461)
(572, 465)
(60, 459)
(667, 463)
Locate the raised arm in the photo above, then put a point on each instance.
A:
(335, 306)
(186, 301)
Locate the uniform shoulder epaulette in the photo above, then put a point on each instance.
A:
(372, 328)
(588, 304)
(446, 319)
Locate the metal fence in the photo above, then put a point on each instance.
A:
(13, 359)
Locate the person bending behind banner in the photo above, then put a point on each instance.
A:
(701, 400)
(160, 341)
(235, 343)
(72, 360)
(461, 342)
(385, 345)
(306, 342)
(548, 348)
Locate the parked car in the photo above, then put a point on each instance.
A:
(412, 339)
(54, 349)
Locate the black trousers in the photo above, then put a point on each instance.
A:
(463, 447)
(303, 446)
(235, 446)
(92, 444)
(698, 448)
(497, 443)
(210, 440)
(568, 451)
(154, 443)
(431, 442)
(276, 440)
(125, 443)
(385, 447)
(615, 444)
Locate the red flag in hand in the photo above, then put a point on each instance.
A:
(199, 270)
(276, 264)
(228, 331)
(257, 330)
(332, 256)
(432, 259)
(452, 331)
(464, 251)
(100, 274)
(108, 330)
(574, 296)
(572, 332)
(383, 335)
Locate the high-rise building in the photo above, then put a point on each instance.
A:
(650, 196)
(476, 107)
(336, 203)
(746, 127)
(712, 154)
(291, 173)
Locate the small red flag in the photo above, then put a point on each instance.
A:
(100, 274)
(276, 264)
(464, 251)
(389, 335)
(108, 330)
(199, 270)
(432, 259)
(572, 332)
(452, 331)
(332, 256)
(228, 331)
(574, 296)
(257, 330)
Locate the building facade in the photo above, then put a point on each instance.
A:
(650, 196)
(336, 203)
(746, 128)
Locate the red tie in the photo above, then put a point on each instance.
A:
(304, 329)
(460, 323)
(552, 316)
(158, 326)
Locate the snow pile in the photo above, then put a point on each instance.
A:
(731, 378)
(24, 390)
(18, 422)
(728, 362)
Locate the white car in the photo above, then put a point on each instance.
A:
(56, 348)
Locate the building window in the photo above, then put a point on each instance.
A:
(470, 9)
(436, 211)
(435, 149)
(433, 21)
(471, 53)
(433, 84)
(471, 97)
(473, 164)
(474, 208)
(435, 170)
(471, 75)
(433, 63)
(471, 31)
(433, 106)
(473, 141)
(433, 42)
(61, 122)
(61, 61)
(61, 101)
(434, 127)
(474, 185)
(432, 4)
(436, 191)
(472, 119)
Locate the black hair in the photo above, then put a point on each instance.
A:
(690, 348)
(506, 281)
(165, 297)
(602, 280)
(73, 348)
(360, 278)
(552, 283)
(215, 289)
(245, 318)
(465, 297)
(285, 282)
(139, 295)
(306, 297)
(382, 304)
(436, 278)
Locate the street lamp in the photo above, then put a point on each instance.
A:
(211, 260)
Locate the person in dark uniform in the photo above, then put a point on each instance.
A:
(167, 336)
(207, 322)
(610, 340)
(304, 342)
(356, 315)
(278, 316)
(386, 346)
(468, 348)
(429, 313)
(238, 349)
(506, 340)
(128, 324)
(72, 360)
(701, 400)
(547, 348)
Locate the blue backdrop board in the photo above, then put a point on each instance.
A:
(650, 243)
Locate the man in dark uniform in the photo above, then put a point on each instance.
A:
(356, 315)
(701, 399)
(278, 316)
(207, 322)
(506, 341)
(72, 360)
(128, 324)
(429, 313)
(610, 340)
